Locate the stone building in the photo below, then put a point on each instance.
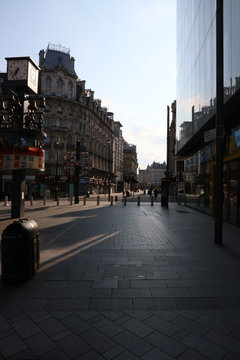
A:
(80, 131)
(118, 156)
(130, 165)
(152, 175)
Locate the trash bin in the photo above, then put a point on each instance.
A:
(20, 250)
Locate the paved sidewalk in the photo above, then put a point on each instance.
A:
(125, 282)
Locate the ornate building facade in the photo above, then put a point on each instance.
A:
(130, 165)
(80, 132)
(118, 156)
(152, 176)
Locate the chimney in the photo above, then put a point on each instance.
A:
(41, 57)
(73, 62)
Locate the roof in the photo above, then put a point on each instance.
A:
(55, 58)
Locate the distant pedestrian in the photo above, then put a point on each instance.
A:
(155, 194)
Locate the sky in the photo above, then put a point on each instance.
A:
(124, 49)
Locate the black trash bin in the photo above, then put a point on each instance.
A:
(20, 250)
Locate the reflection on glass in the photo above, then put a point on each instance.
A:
(196, 61)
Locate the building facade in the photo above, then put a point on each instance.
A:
(130, 165)
(152, 176)
(196, 101)
(118, 156)
(80, 132)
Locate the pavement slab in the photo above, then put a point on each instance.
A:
(124, 282)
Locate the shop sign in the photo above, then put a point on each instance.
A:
(209, 135)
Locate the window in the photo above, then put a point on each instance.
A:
(47, 141)
(46, 155)
(58, 122)
(59, 87)
(48, 83)
(46, 122)
(69, 140)
(69, 90)
(59, 109)
(48, 86)
(69, 124)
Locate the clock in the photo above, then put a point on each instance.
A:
(22, 74)
(17, 69)
(33, 77)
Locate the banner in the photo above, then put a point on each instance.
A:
(17, 158)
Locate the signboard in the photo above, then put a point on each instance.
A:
(210, 135)
(17, 158)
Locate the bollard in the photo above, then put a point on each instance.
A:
(125, 200)
(84, 200)
(185, 201)
(111, 203)
(58, 198)
(98, 200)
(6, 201)
(151, 200)
(179, 200)
(138, 202)
(71, 200)
(116, 199)
(31, 200)
(44, 200)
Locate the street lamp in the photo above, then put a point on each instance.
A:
(58, 144)
(219, 124)
(109, 141)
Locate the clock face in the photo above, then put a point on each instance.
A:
(33, 77)
(17, 70)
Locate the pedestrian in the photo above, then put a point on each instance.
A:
(155, 194)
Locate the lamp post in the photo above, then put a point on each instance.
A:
(219, 124)
(76, 183)
(109, 141)
(56, 176)
(165, 190)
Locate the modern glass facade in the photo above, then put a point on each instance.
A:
(196, 29)
(196, 99)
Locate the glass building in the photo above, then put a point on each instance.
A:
(196, 102)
